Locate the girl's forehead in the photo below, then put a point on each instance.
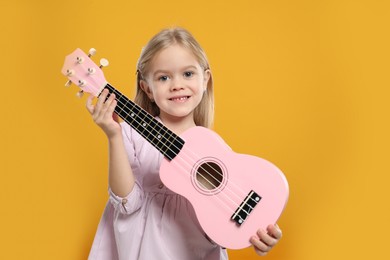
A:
(172, 57)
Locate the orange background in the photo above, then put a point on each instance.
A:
(304, 84)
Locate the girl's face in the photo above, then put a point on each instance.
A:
(176, 82)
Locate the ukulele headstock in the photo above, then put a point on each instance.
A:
(83, 72)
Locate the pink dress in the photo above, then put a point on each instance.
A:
(152, 222)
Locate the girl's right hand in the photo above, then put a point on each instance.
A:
(103, 113)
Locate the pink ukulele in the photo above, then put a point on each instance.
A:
(233, 194)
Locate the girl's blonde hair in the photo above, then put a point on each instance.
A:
(204, 112)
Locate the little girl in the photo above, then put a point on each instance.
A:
(143, 219)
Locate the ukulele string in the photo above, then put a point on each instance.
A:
(144, 112)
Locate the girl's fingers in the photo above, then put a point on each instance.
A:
(275, 231)
(101, 100)
(102, 106)
(90, 106)
(111, 105)
(260, 247)
(103, 112)
(106, 100)
(115, 117)
(266, 238)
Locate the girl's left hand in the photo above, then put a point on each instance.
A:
(266, 240)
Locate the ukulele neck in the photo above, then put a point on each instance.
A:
(163, 139)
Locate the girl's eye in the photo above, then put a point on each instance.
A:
(163, 78)
(188, 74)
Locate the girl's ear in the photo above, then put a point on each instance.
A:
(207, 76)
(146, 88)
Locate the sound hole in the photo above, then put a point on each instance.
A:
(209, 175)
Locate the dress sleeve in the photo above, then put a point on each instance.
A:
(133, 201)
(129, 204)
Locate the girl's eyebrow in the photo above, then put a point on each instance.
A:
(190, 67)
(167, 71)
(160, 71)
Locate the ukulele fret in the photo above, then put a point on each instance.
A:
(245, 208)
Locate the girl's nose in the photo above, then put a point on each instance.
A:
(176, 84)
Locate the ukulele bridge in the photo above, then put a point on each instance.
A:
(245, 208)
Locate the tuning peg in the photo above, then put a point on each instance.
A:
(82, 83)
(80, 94)
(103, 63)
(91, 52)
(69, 72)
(80, 60)
(91, 71)
(68, 83)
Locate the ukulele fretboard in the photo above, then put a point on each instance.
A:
(167, 142)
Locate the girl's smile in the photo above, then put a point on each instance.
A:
(180, 98)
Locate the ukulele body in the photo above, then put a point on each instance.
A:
(231, 179)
